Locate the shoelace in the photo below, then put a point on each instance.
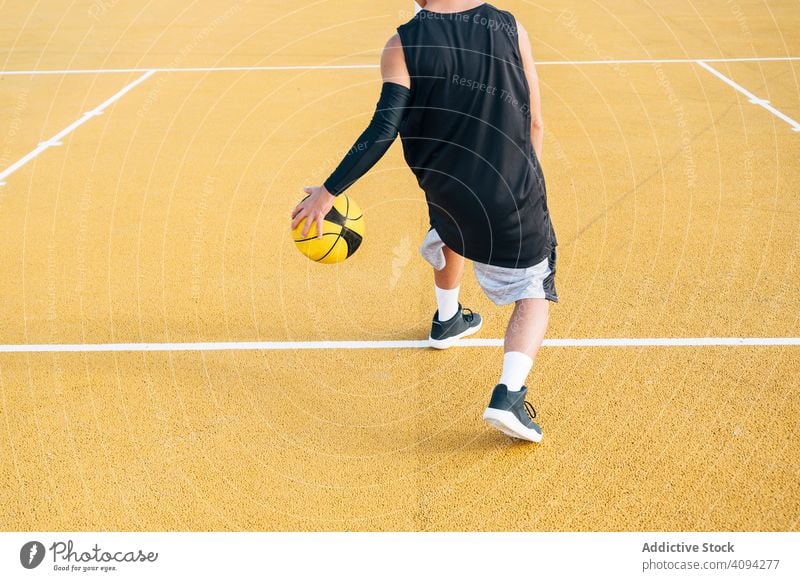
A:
(530, 409)
(468, 315)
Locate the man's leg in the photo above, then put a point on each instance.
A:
(527, 326)
(450, 323)
(524, 336)
(448, 284)
(508, 411)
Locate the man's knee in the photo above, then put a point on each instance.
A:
(529, 303)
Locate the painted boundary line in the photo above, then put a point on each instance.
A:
(309, 345)
(753, 99)
(374, 66)
(56, 139)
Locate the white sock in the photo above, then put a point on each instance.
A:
(516, 367)
(447, 301)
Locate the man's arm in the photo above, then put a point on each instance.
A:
(393, 63)
(537, 123)
(370, 146)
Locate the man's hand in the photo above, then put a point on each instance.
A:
(314, 209)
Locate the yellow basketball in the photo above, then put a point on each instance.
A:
(342, 232)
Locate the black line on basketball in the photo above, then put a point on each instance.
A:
(336, 217)
(331, 248)
(352, 239)
(313, 237)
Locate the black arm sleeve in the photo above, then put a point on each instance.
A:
(375, 141)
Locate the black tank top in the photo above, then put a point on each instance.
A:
(467, 136)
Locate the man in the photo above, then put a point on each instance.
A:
(460, 87)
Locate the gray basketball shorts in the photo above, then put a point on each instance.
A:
(502, 285)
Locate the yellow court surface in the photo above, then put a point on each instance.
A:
(169, 361)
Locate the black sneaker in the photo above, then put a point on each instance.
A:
(444, 334)
(511, 414)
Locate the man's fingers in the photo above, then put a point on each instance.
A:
(296, 217)
(309, 210)
(302, 213)
(307, 226)
(295, 221)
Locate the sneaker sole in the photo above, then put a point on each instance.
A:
(450, 341)
(508, 423)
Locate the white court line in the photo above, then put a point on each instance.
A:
(308, 345)
(375, 66)
(193, 69)
(753, 99)
(56, 139)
